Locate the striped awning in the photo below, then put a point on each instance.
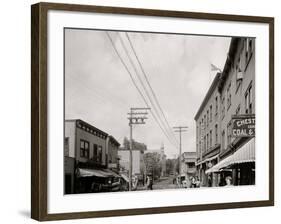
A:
(244, 154)
(207, 160)
(125, 177)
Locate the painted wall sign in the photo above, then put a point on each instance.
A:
(243, 125)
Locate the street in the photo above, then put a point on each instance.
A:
(164, 183)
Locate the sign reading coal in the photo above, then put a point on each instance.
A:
(243, 125)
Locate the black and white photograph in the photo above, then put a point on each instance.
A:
(157, 111)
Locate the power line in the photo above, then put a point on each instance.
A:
(138, 89)
(146, 91)
(98, 94)
(147, 81)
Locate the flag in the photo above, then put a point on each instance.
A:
(215, 68)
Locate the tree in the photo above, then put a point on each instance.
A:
(172, 166)
(136, 145)
(152, 163)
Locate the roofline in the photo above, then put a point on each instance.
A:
(114, 140)
(230, 56)
(93, 127)
(208, 94)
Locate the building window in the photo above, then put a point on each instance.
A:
(228, 96)
(216, 134)
(199, 130)
(207, 118)
(211, 113)
(207, 141)
(99, 153)
(223, 108)
(84, 149)
(205, 122)
(223, 140)
(211, 139)
(229, 133)
(238, 71)
(249, 100)
(66, 146)
(191, 164)
(248, 51)
(217, 106)
(95, 154)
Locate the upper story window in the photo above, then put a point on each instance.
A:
(205, 122)
(211, 139)
(228, 96)
(197, 133)
(99, 153)
(223, 140)
(248, 51)
(211, 113)
(84, 149)
(217, 106)
(207, 141)
(205, 146)
(229, 133)
(249, 100)
(239, 73)
(207, 118)
(216, 134)
(222, 108)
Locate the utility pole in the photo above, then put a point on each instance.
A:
(180, 129)
(137, 115)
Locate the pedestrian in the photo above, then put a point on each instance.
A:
(197, 182)
(209, 181)
(149, 183)
(193, 183)
(228, 181)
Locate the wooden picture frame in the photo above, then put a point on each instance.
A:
(39, 109)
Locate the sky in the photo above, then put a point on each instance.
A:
(100, 91)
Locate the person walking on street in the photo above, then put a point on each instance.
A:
(149, 183)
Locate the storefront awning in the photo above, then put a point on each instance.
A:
(245, 154)
(125, 177)
(95, 173)
(207, 160)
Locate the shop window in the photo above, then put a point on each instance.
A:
(66, 146)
